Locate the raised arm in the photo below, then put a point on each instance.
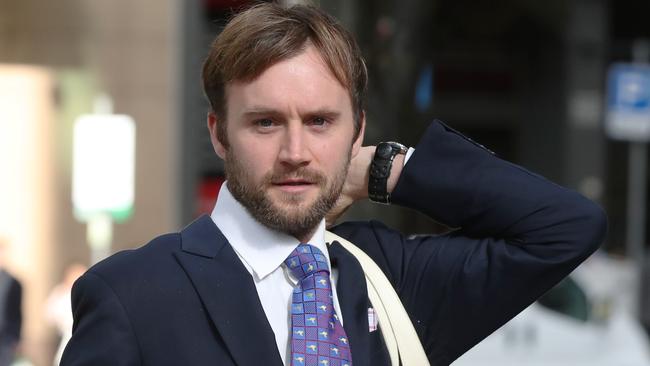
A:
(518, 234)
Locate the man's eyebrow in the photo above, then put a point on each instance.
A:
(324, 112)
(256, 111)
(266, 111)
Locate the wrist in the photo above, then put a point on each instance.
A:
(356, 184)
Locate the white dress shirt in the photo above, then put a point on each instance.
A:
(263, 251)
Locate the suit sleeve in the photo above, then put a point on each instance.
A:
(517, 235)
(102, 333)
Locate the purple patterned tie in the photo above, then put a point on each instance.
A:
(317, 337)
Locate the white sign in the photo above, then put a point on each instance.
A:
(103, 166)
(628, 102)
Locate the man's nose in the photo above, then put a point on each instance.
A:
(294, 150)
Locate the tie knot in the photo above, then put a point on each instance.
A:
(306, 260)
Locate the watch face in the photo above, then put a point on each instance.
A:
(384, 151)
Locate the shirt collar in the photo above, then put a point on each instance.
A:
(262, 249)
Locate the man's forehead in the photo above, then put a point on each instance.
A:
(306, 61)
(307, 53)
(303, 82)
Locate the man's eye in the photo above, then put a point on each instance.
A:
(264, 122)
(318, 121)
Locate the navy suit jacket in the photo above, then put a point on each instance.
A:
(186, 299)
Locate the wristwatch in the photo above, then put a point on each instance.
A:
(380, 168)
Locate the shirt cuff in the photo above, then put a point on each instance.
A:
(408, 155)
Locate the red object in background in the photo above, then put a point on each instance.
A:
(206, 194)
(221, 5)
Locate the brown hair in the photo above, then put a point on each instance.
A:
(267, 33)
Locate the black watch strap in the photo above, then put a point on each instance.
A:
(380, 168)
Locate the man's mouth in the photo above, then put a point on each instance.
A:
(294, 185)
(293, 182)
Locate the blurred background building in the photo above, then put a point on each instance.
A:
(525, 78)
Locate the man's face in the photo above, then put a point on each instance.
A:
(290, 139)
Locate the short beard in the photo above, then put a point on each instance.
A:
(295, 220)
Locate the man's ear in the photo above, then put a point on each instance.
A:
(356, 145)
(213, 120)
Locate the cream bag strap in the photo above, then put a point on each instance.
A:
(396, 327)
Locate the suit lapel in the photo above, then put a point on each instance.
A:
(353, 299)
(228, 293)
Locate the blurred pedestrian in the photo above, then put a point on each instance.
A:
(58, 311)
(10, 311)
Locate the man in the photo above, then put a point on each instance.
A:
(286, 89)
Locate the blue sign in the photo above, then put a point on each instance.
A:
(628, 102)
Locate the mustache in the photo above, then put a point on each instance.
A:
(307, 174)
